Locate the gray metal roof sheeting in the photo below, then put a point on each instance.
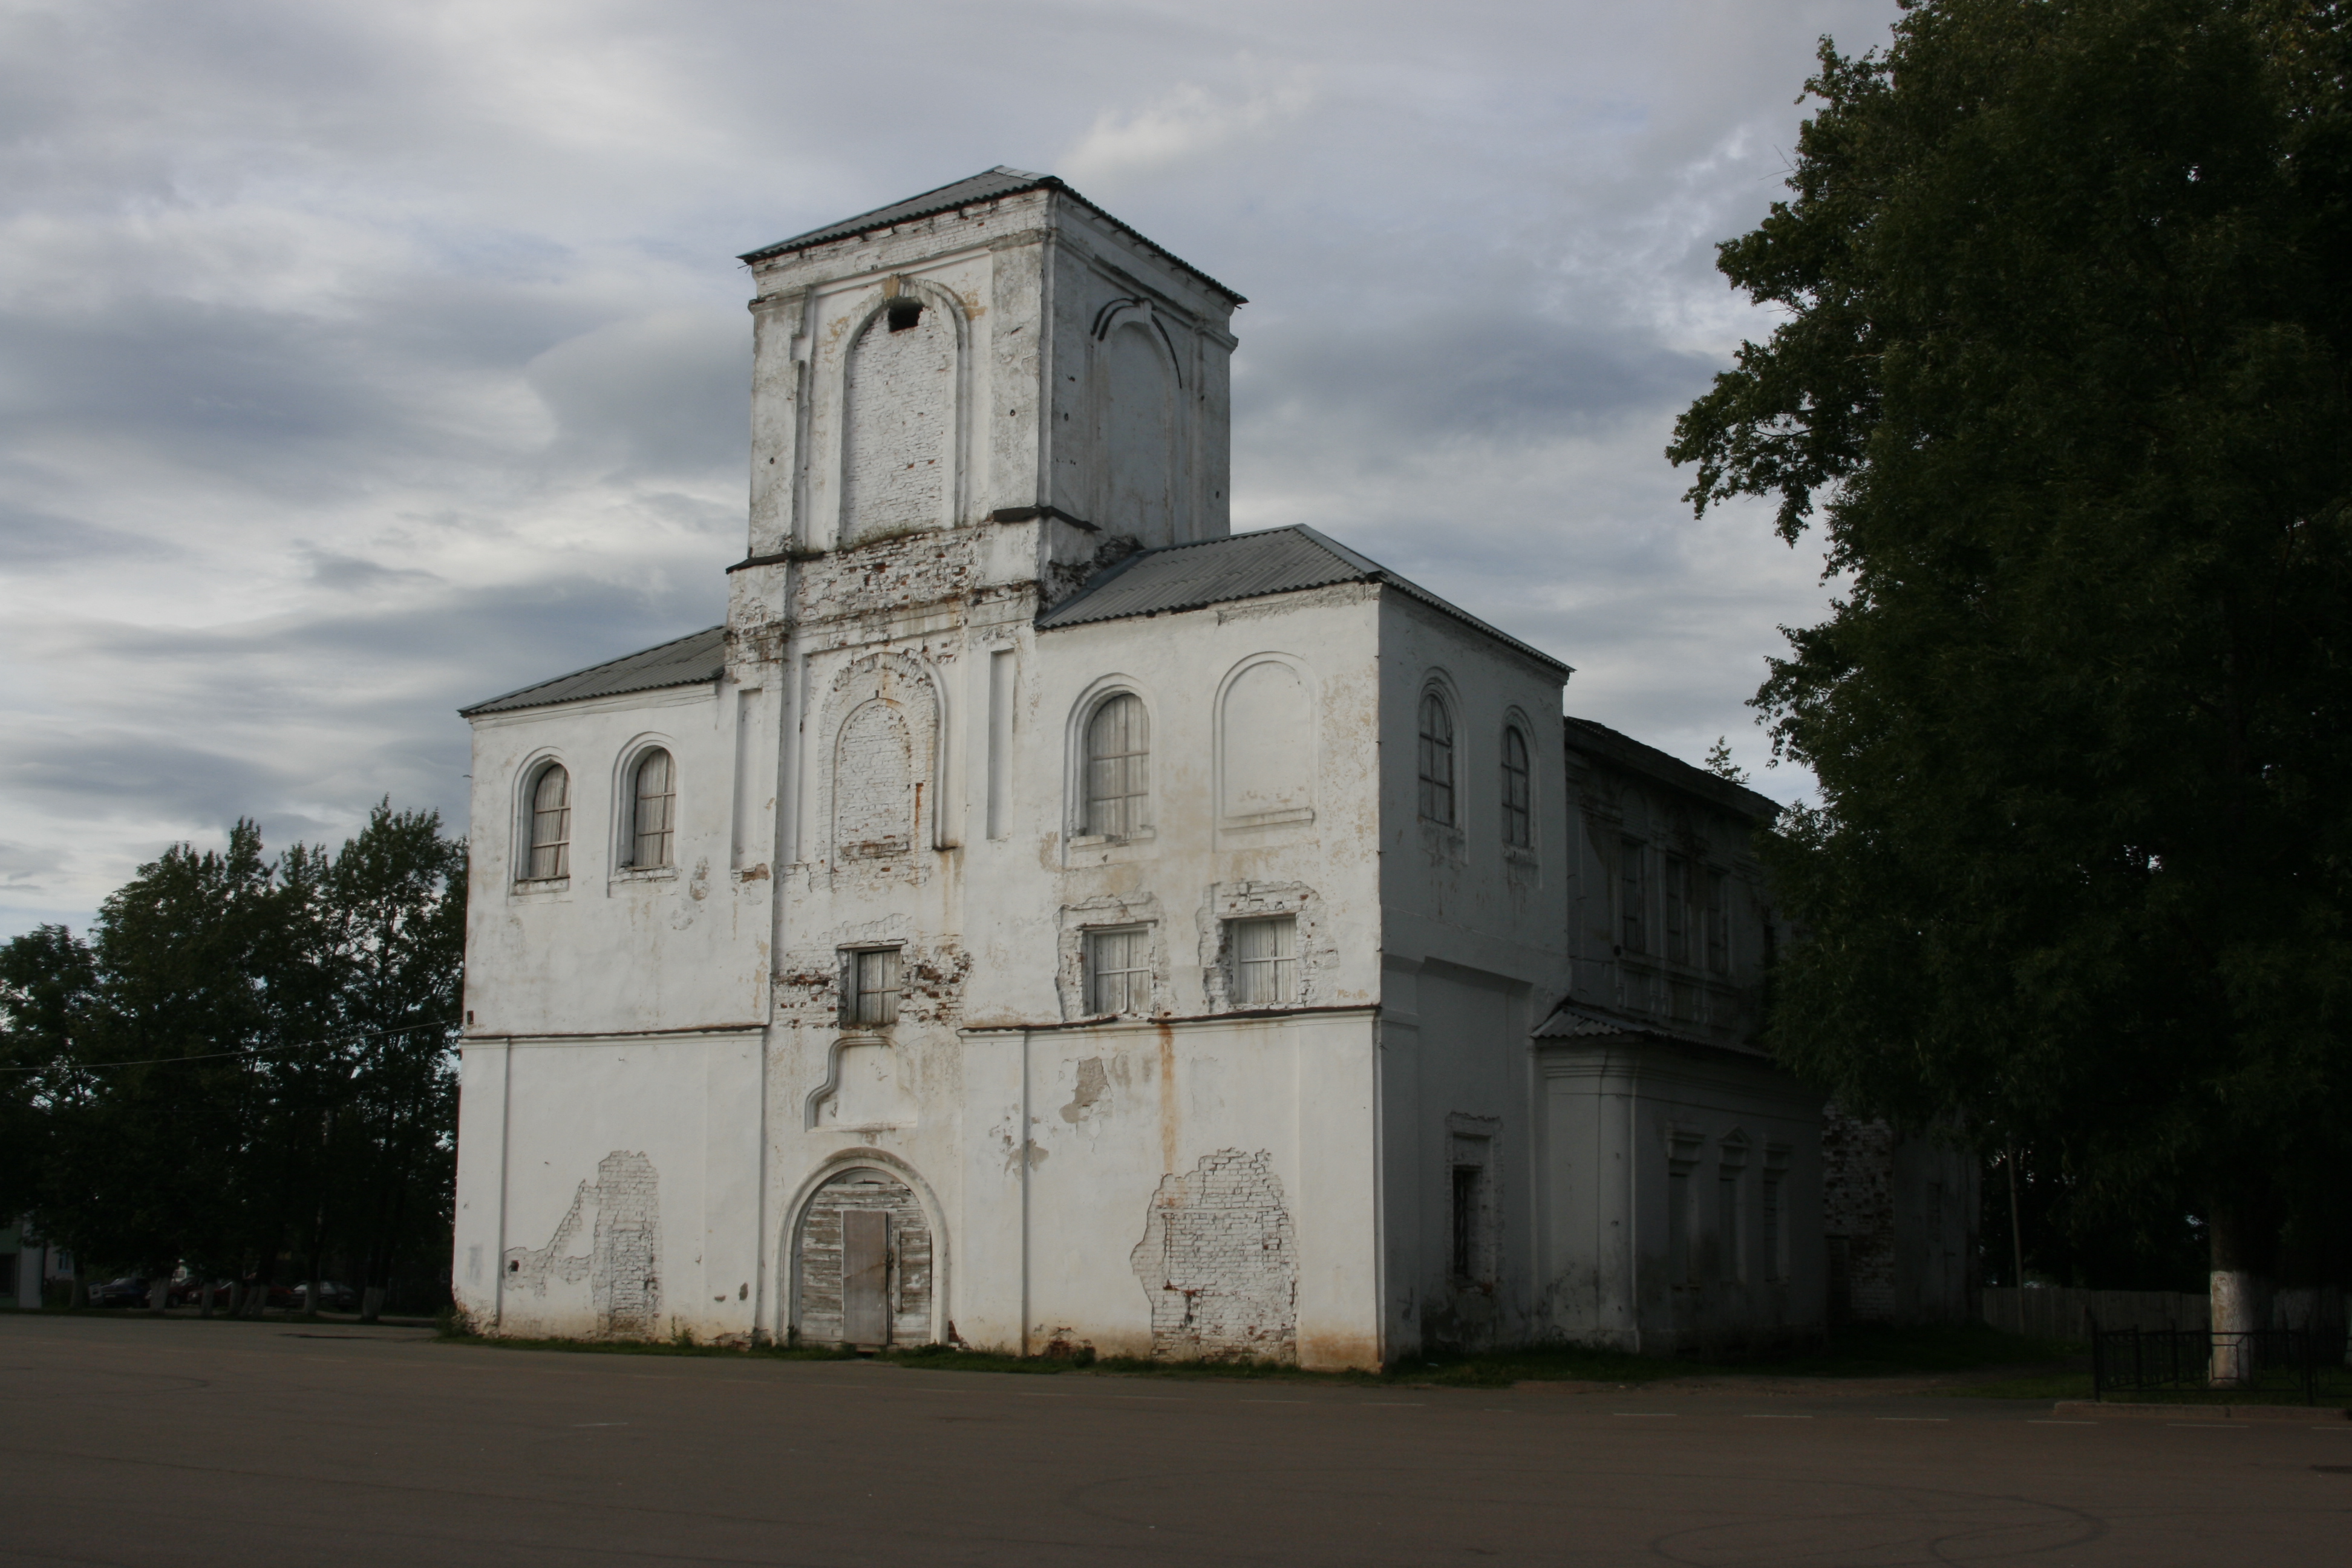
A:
(1576, 1021)
(997, 183)
(688, 661)
(1243, 566)
(1598, 740)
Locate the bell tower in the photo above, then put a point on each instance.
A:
(998, 360)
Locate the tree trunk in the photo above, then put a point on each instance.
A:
(2237, 1297)
(159, 1292)
(205, 1299)
(371, 1304)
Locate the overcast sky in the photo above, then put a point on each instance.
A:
(361, 361)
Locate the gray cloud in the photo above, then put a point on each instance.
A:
(359, 362)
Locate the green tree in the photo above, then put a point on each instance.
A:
(2065, 373)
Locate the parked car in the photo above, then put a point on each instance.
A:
(332, 1297)
(280, 1295)
(129, 1291)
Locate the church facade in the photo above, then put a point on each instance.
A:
(1042, 918)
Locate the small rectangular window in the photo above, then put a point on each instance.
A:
(1118, 970)
(1266, 961)
(1634, 916)
(1718, 930)
(870, 994)
(1774, 1269)
(1677, 903)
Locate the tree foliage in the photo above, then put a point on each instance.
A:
(249, 1056)
(2065, 380)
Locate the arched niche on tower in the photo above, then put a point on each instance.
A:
(901, 414)
(1138, 433)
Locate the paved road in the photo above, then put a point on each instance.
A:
(139, 1441)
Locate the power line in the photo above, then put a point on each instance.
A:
(221, 1056)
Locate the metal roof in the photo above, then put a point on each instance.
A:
(1597, 739)
(1243, 566)
(994, 185)
(1577, 1021)
(688, 661)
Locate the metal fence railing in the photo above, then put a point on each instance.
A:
(2306, 1363)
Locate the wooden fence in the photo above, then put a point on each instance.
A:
(2061, 1313)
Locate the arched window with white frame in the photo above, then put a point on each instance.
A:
(1436, 761)
(1518, 817)
(1117, 768)
(653, 811)
(550, 824)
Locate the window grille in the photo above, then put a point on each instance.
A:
(1118, 970)
(1118, 761)
(1632, 910)
(551, 824)
(1266, 961)
(1436, 761)
(1518, 827)
(1677, 902)
(653, 814)
(870, 995)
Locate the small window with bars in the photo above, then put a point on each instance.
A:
(1436, 761)
(1518, 822)
(1118, 970)
(869, 988)
(1266, 961)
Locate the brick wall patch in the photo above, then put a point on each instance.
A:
(1219, 1263)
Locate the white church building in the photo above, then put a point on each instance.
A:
(1040, 918)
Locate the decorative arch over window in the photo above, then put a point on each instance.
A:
(1518, 792)
(1117, 771)
(1436, 760)
(653, 810)
(548, 825)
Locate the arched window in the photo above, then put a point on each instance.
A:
(1518, 827)
(551, 824)
(653, 812)
(1436, 761)
(1118, 764)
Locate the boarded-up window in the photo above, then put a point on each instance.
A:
(899, 407)
(1139, 435)
(873, 792)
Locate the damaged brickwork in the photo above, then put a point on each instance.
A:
(1219, 1263)
(817, 1259)
(623, 1264)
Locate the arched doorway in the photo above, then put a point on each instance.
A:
(861, 1264)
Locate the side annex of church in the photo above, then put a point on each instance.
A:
(1042, 918)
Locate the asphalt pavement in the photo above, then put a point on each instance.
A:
(143, 1441)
